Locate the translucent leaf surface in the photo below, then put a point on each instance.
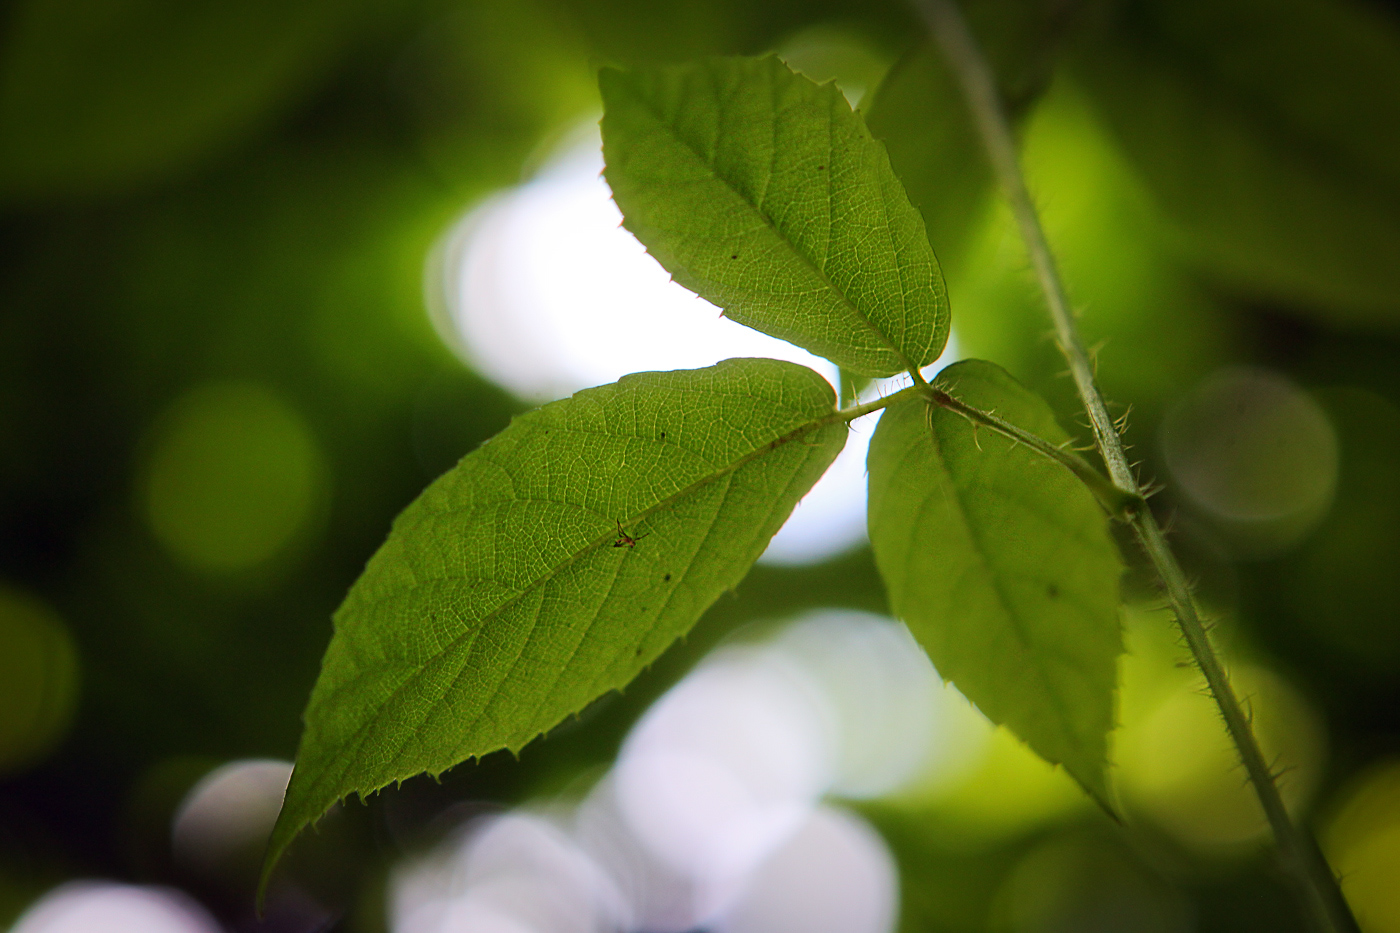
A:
(551, 565)
(766, 195)
(1002, 565)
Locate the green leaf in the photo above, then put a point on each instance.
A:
(1001, 564)
(551, 565)
(763, 193)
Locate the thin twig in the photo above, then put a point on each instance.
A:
(1115, 501)
(1298, 850)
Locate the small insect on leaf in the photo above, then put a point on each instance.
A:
(467, 634)
(624, 539)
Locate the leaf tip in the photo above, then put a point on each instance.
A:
(277, 844)
(291, 820)
(610, 82)
(1098, 791)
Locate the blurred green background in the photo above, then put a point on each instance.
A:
(219, 383)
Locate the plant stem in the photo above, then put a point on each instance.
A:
(1298, 851)
(1115, 501)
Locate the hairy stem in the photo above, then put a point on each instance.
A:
(1117, 502)
(860, 411)
(1298, 851)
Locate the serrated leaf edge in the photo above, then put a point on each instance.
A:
(281, 839)
(829, 87)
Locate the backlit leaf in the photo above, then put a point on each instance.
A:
(551, 565)
(1001, 564)
(763, 193)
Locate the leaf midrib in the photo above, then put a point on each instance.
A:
(357, 739)
(570, 560)
(780, 441)
(980, 550)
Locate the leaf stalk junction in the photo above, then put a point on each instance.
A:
(1119, 503)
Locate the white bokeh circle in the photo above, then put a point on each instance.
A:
(106, 907)
(834, 875)
(229, 809)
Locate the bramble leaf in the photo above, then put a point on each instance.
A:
(1002, 566)
(551, 565)
(763, 193)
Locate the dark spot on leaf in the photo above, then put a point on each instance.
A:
(663, 435)
(639, 650)
(820, 167)
(735, 256)
(667, 578)
(1052, 591)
